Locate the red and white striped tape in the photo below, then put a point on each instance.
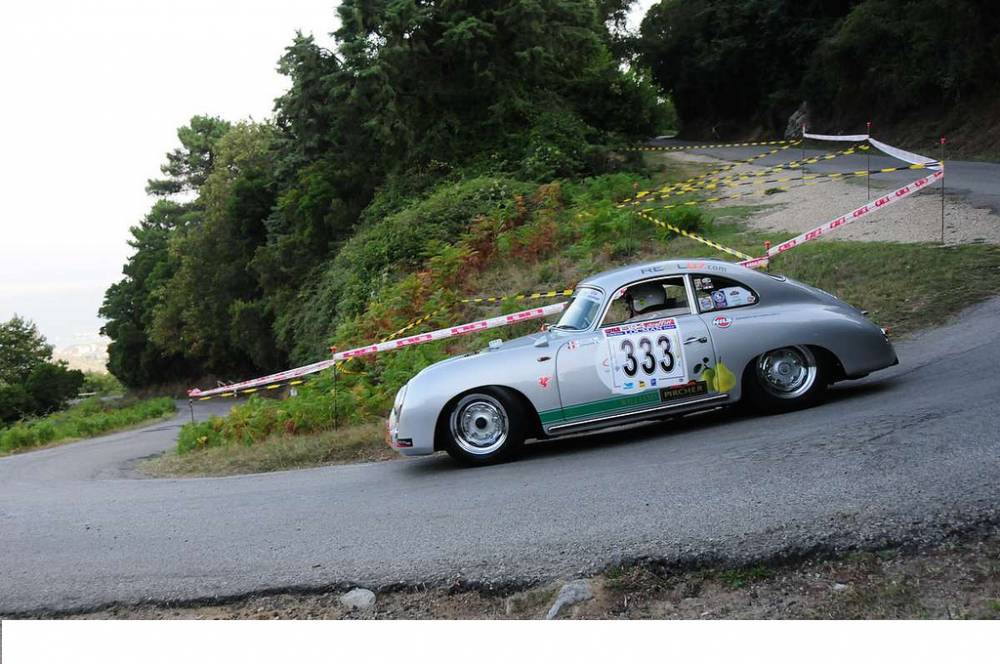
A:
(396, 344)
(845, 219)
(897, 153)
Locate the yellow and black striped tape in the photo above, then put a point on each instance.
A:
(251, 390)
(709, 182)
(707, 176)
(807, 179)
(748, 179)
(519, 296)
(693, 236)
(677, 148)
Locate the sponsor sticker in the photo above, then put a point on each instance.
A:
(543, 381)
(692, 389)
(706, 303)
(640, 327)
(722, 322)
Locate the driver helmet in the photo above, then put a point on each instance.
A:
(646, 297)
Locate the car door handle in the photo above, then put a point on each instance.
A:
(691, 340)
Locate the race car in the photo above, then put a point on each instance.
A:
(644, 342)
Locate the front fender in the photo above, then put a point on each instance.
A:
(523, 367)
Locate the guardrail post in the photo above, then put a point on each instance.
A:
(191, 408)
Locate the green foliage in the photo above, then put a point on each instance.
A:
(381, 252)
(51, 386)
(22, 349)
(30, 384)
(426, 117)
(89, 418)
(101, 384)
(188, 166)
(733, 66)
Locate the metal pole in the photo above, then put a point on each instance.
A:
(336, 422)
(802, 161)
(631, 220)
(941, 165)
(191, 407)
(868, 153)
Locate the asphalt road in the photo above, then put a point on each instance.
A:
(910, 452)
(977, 182)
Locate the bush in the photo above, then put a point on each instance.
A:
(52, 385)
(101, 384)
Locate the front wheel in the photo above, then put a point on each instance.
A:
(786, 379)
(485, 426)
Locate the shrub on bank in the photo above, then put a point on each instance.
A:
(88, 418)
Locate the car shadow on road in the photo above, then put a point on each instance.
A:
(637, 434)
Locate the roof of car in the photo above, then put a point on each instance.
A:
(613, 279)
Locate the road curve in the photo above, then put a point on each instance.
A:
(905, 451)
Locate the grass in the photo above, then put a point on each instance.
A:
(741, 577)
(86, 419)
(350, 444)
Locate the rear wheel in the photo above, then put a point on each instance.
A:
(786, 379)
(486, 426)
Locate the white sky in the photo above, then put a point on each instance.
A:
(93, 93)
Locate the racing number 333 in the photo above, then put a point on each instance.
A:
(645, 355)
(631, 366)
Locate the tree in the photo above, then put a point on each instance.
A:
(188, 166)
(194, 314)
(51, 386)
(735, 65)
(30, 384)
(129, 304)
(22, 349)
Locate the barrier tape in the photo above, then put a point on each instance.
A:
(843, 220)
(520, 296)
(693, 184)
(677, 148)
(751, 180)
(897, 153)
(747, 179)
(692, 236)
(444, 333)
(697, 179)
(340, 365)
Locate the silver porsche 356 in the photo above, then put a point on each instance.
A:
(640, 343)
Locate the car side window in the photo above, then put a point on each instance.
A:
(648, 300)
(719, 293)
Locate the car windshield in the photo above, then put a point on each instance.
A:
(582, 309)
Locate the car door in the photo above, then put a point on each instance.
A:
(627, 366)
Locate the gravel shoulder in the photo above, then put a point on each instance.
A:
(915, 219)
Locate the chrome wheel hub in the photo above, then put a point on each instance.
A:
(787, 373)
(479, 424)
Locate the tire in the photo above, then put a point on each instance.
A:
(786, 379)
(484, 426)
